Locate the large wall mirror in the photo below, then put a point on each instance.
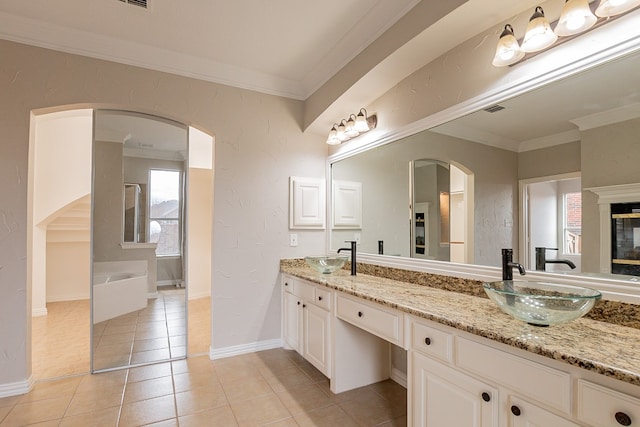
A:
(566, 137)
(139, 284)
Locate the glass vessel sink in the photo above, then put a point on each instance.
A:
(540, 303)
(326, 263)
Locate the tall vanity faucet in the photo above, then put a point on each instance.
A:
(353, 255)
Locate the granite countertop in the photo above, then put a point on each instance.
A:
(605, 348)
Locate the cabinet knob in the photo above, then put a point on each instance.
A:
(319, 298)
(360, 314)
(298, 302)
(286, 283)
(515, 410)
(486, 397)
(304, 305)
(427, 341)
(623, 419)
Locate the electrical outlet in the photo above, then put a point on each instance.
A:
(293, 240)
(356, 237)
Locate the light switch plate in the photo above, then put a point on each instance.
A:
(293, 239)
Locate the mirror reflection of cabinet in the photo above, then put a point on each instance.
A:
(134, 207)
(420, 246)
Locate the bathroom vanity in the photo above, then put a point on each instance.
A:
(469, 364)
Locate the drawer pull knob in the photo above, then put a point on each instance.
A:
(427, 341)
(319, 298)
(486, 397)
(286, 283)
(623, 419)
(360, 314)
(298, 302)
(515, 410)
(304, 305)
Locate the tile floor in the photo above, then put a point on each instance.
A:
(60, 340)
(269, 388)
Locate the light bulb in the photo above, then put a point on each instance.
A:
(608, 8)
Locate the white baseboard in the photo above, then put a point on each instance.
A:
(67, 297)
(39, 312)
(17, 388)
(199, 295)
(399, 377)
(236, 350)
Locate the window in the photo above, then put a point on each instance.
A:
(165, 211)
(572, 223)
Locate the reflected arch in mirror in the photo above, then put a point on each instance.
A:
(441, 211)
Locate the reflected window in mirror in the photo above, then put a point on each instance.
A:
(164, 211)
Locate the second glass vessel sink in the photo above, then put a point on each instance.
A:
(542, 303)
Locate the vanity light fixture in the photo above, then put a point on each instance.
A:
(539, 34)
(577, 17)
(608, 8)
(508, 51)
(351, 127)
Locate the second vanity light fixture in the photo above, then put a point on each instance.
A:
(576, 17)
(352, 127)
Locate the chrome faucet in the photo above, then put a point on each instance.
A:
(542, 261)
(352, 249)
(508, 265)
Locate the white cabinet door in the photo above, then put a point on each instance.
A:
(293, 321)
(316, 337)
(524, 414)
(442, 396)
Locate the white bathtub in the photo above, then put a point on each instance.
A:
(119, 287)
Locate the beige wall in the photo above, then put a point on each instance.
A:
(549, 161)
(259, 144)
(68, 271)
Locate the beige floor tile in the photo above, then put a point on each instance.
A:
(106, 379)
(369, 408)
(151, 344)
(38, 411)
(96, 418)
(148, 389)
(94, 399)
(287, 379)
(8, 402)
(246, 389)
(200, 399)
(150, 356)
(173, 422)
(149, 372)
(398, 422)
(259, 411)
(237, 372)
(222, 416)
(288, 422)
(197, 379)
(4, 411)
(304, 398)
(52, 389)
(148, 411)
(330, 416)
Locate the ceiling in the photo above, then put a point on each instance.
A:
(284, 47)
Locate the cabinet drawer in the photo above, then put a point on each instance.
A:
(432, 342)
(600, 406)
(386, 324)
(303, 290)
(287, 284)
(546, 385)
(323, 298)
